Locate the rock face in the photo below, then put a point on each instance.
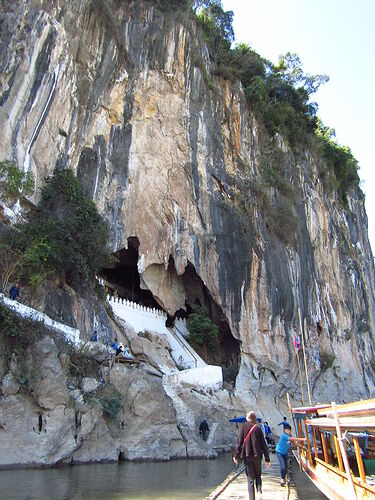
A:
(57, 418)
(113, 90)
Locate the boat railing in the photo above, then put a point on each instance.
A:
(334, 443)
(357, 481)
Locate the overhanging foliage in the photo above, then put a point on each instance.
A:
(65, 235)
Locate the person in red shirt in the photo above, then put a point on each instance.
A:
(251, 447)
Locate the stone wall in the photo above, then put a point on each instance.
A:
(206, 377)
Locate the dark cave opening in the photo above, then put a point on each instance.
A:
(122, 279)
(197, 293)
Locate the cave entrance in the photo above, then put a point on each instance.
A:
(123, 278)
(197, 293)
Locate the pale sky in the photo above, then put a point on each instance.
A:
(332, 37)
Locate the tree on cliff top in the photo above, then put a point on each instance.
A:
(278, 95)
(65, 235)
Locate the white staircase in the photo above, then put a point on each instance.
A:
(70, 334)
(143, 318)
(196, 373)
(191, 357)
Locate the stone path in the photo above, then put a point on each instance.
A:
(272, 490)
(70, 334)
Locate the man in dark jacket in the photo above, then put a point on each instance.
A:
(14, 291)
(204, 429)
(251, 446)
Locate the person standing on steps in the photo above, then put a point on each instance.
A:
(282, 450)
(268, 433)
(251, 446)
(284, 423)
(126, 353)
(204, 429)
(119, 350)
(14, 291)
(115, 344)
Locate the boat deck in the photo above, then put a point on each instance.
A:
(235, 486)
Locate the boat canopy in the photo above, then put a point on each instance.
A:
(309, 409)
(346, 423)
(354, 409)
(366, 407)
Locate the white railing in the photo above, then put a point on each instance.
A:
(128, 304)
(198, 361)
(143, 318)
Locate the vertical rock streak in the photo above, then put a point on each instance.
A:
(26, 161)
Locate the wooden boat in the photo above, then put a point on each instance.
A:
(339, 456)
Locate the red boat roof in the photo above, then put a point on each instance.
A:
(309, 409)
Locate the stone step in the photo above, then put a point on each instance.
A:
(211, 435)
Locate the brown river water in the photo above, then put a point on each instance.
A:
(177, 480)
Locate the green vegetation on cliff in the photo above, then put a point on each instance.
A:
(14, 182)
(340, 161)
(16, 336)
(202, 330)
(279, 95)
(65, 236)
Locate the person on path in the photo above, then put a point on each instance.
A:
(204, 429)
(94, 337)
(14, 291)
(282, 450)
(284, 423)
(261, 425)
(251, 446)
(268, 433)
(119, 350)
(267, 429)
(127, 353)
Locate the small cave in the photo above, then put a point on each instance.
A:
(122, 279)
(40, 422)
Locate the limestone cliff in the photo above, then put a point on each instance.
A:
(52, 413)
(122, 94)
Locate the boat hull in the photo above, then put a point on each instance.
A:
(318, 481)
(334, 486)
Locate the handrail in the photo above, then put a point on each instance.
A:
(224, 485)
(185, 346)
(70, 333)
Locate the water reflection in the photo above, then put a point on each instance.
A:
(182, 479)
(305, 488)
